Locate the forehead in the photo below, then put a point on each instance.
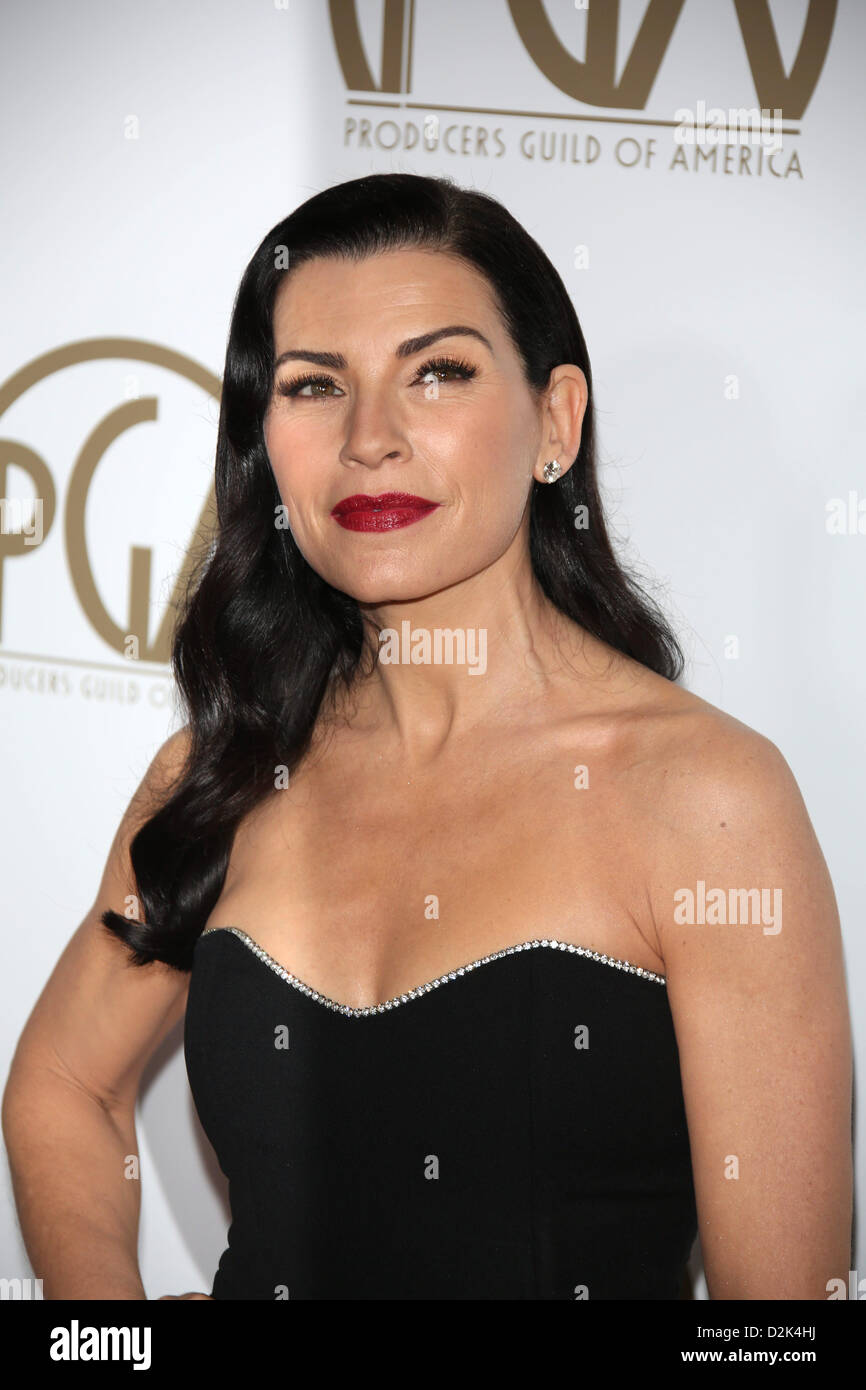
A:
(394, 287)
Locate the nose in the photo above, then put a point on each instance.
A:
(374, 434)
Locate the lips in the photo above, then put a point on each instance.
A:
(385, 512)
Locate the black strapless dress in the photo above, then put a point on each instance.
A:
(513, 1130)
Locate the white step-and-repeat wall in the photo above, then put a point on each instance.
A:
(718, 278)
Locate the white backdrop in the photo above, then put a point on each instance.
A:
(147, 149)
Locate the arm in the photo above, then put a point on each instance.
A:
(69, 1102)
(761, 1017)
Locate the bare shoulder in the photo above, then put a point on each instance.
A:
(747, 925)
(705, 763)
(163, 773)
(741, 900)
(716, 806)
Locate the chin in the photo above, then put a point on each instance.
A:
(394, 582)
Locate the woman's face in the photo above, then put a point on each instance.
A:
(381, 417)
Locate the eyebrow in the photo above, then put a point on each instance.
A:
(337, 361)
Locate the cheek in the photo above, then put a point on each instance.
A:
(295, 484)
(273, 451)
(291, 459)
(496, 474)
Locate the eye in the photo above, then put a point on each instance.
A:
(299, 384)
(464, 370)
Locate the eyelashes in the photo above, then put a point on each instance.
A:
(464, 370)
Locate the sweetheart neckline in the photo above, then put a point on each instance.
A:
(349, 1011)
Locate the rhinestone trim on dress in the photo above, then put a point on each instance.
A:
(349, 1012)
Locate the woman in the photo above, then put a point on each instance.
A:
(506, 962)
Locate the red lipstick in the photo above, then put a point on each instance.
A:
(387, 512)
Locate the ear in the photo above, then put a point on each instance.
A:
(564, 406)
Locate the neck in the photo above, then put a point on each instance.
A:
(447, 664)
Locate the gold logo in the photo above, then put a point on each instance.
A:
(592, 80)
(125, 417)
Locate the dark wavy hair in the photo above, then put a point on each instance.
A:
(261, 638)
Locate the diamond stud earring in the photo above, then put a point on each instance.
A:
(551, 471)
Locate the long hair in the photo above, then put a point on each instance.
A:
(261, 638)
